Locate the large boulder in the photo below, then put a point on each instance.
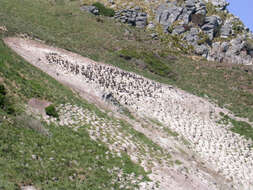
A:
(190, 5)
(226, 30)
(185, 16)
(167, 14)
(210, 26)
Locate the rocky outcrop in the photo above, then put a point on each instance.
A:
(134, 17)
(236, 51)
(167, 14)
(206, 25)
(192, 22)
(210, 26)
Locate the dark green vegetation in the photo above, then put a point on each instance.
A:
(152, 62)
(61, 23)
(103, 10)
(5, 104)
(240, 127)
(51, 111)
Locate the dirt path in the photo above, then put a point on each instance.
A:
(208, 152)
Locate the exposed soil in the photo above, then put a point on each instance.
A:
(38, 106)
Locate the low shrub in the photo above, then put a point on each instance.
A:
(103, 10)
(2, 90)
(5, 102)
(2, 101)
(51, 111)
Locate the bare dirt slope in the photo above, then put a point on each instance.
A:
(204, 154)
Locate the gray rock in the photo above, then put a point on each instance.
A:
(185, 16)
(178, 30)
(210, 23)
(237, 45)
(190, 5)
(226, 30)
(167, 14)
(201, 50)
(210, 26)
(216, 53)
(174, 14)
(251, 53)
(201, 8)
(221, 4)
(233, 52)
(224, 47)
(132, 17)
(90, 9)
(192, 36)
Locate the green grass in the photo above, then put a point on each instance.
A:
(241, 127)
(153, 62)
(27, 157)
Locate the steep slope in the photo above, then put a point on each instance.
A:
(46, 156)
(192, 118)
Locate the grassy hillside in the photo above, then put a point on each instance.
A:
(61, 159)
(32, 152)
(61, 23)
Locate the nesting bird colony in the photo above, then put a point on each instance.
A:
(193, 118)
